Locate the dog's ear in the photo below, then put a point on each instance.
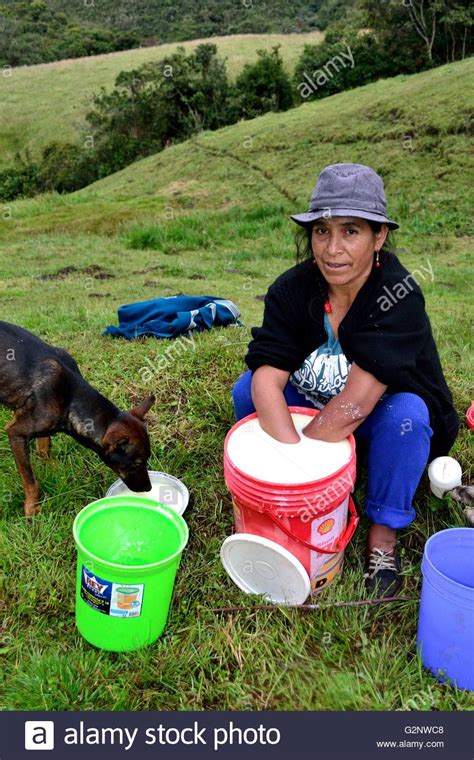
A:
(140, 410)
(115, 437)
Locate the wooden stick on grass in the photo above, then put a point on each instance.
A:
(359, 603)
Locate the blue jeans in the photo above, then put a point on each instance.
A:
(397, 434)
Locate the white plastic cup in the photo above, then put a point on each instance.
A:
(444, 473)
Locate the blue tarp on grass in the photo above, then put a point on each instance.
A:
(173, 316)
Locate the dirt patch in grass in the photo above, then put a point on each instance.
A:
(93, 270)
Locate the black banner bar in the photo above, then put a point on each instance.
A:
(222, 735)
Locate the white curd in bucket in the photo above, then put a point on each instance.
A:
(262, 457)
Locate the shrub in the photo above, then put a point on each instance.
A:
(80, 41)
(332, 11)
(350, 59)
(159, 103)
(19, 180)
(262, 86)
(65, 167)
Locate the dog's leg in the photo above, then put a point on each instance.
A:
(19, 443)
(43, 446)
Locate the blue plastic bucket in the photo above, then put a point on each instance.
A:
(446, 621)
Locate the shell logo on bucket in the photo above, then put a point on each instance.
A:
(326, 526)
(327, 573)
(324, 569)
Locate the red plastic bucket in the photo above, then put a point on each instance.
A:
(309, 519)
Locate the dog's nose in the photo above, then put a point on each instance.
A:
(138, 481)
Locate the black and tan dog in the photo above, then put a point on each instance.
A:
(44, 387)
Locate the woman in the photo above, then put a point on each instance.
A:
(346, 331)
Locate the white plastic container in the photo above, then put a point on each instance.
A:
(444, 473)
(165, 489)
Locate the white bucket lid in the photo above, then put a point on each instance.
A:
(260, 566)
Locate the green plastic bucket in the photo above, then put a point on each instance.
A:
(128, 551)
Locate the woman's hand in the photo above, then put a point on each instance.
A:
(346, 411)
(268, 384)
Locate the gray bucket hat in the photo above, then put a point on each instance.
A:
(347, 190)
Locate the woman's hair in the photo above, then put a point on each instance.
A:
(303, 240)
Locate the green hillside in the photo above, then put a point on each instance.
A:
(413, 129)
(209, 216)
(41, 103)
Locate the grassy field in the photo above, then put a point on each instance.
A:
(47, 102)
(210, 217)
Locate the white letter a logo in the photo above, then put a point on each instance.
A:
(39, 734)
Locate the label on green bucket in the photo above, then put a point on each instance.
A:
(114, 599)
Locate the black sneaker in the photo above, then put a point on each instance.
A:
(382, 576)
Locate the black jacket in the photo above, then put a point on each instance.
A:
(386, 332)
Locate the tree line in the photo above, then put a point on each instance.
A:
(37, 31)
